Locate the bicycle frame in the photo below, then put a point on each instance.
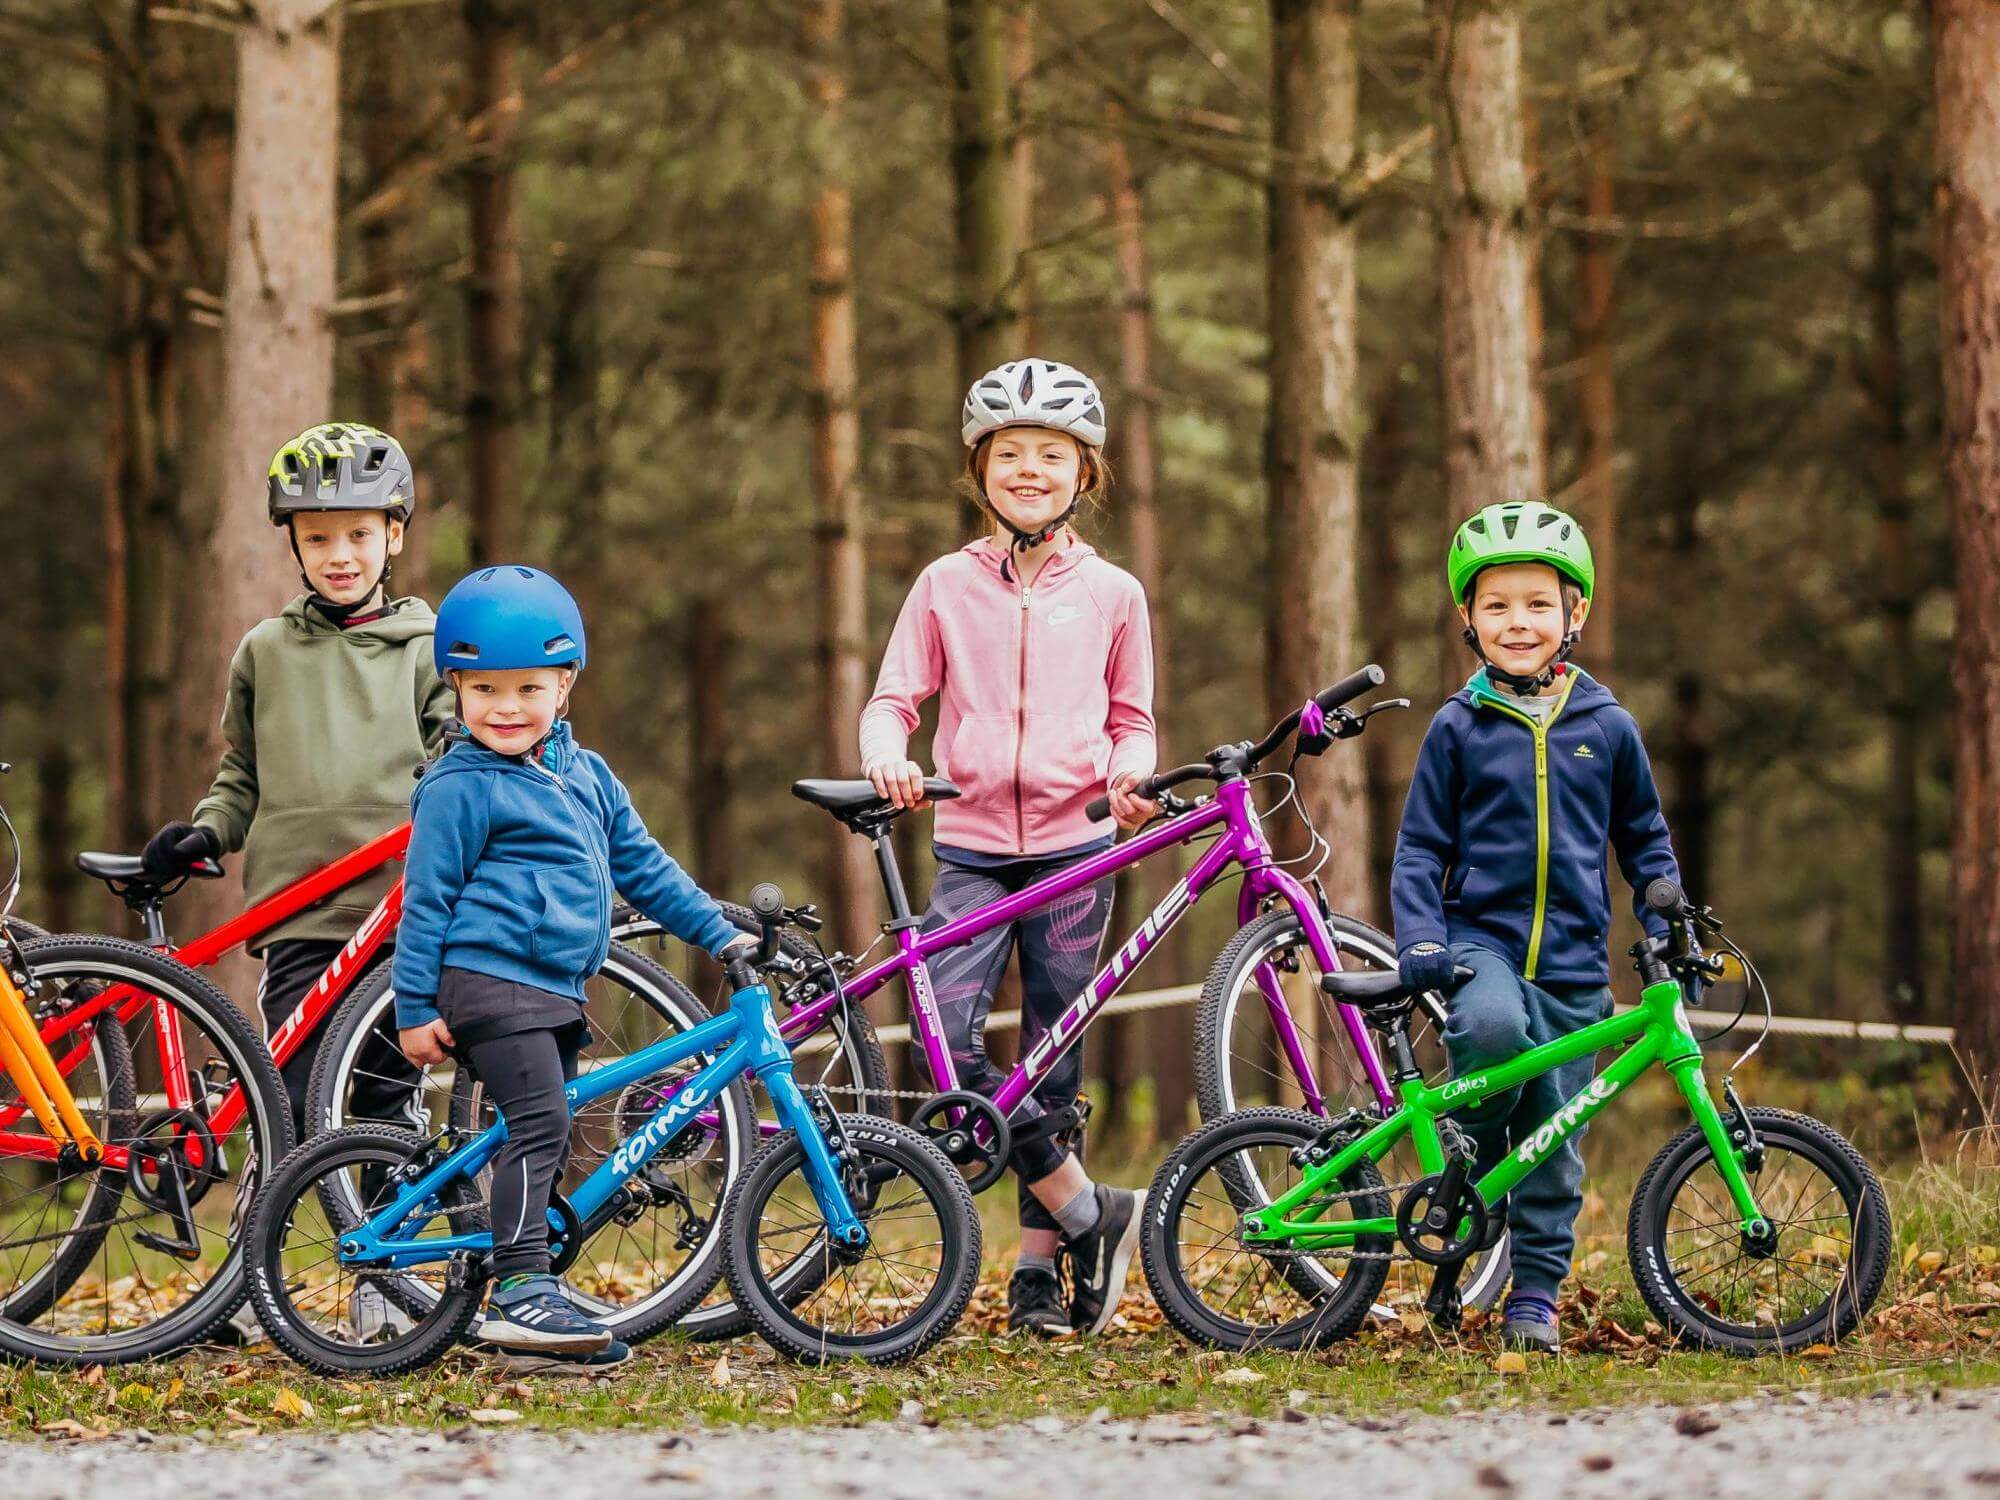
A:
(339, 976)
(743, 1039)
(1657, 1032)
(1242, 842)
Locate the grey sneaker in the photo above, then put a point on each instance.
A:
(613, 1354)
(1034, 1302)
(1099, 1260)
(370, 1314)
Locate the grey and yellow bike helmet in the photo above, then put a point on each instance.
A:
(1517, 531)
(341, 466)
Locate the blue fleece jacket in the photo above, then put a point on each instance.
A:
(512, 865)
(1505, 830)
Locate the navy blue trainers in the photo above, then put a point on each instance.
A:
(534, 1317)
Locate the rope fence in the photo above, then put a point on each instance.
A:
(1700, 1019)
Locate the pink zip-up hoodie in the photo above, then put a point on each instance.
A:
(1047, 694)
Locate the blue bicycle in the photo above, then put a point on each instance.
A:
(847, 1237)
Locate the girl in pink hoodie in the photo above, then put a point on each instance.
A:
(1042, 656)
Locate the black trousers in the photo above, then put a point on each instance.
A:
(385, 1084)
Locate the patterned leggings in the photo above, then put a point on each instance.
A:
(1058, 947)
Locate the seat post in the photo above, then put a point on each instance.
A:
(156, 924)
(892, 880)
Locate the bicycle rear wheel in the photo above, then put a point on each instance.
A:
(307, 1297)
(1239, 1065)
(165, 1263)
(1221, 1291)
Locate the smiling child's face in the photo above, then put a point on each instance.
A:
(511, 711)
(344, 552)
(1517, 614)
(1032, 474)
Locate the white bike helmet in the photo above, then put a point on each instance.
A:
(1034, 393)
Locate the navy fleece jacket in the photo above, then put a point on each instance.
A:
(1504, 848)
(512, 865)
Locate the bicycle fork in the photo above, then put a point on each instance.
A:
(28, 1062)
(821, 1136)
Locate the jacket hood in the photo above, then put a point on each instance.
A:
(1587, 696)
(401, 620)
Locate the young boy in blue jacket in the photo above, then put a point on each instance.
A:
(1525, 778)
(519, 839)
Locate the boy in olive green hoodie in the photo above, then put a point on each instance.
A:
(332, 704)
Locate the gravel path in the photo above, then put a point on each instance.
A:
(1901, 1446)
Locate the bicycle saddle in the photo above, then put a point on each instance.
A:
(126, 873)
(852, 801)
(1374, 989)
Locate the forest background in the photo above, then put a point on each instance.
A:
(679, 299)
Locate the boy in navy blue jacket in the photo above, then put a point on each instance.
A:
(519, 839)
(1525, 778)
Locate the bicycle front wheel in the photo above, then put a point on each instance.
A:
(1810, 1283)
(1240, 1064)
(897, 1297)
(207, 1123)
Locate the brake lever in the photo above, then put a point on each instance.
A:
(806, 917)
(1342, 724)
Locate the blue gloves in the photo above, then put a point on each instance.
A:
(1428, 966)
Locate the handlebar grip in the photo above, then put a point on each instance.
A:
(767, 901)
(1098, 809)
(1463, 974)
(1664, 897)
(1351, 687)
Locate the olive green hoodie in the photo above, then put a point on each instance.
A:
(325, 728)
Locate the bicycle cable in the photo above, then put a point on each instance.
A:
(1753, 985)
(12, 890)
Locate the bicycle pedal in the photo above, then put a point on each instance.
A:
(178, 1249)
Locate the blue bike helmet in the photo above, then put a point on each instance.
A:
(505, 618)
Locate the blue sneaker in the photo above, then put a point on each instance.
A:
(534, 1317)
(1530, 1324)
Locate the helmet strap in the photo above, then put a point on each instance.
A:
(1023, 540)
(1517, 683)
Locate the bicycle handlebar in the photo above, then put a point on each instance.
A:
(1342, 692)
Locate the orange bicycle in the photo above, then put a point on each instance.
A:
(123, 1188)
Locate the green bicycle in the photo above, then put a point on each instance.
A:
(1752, 1231)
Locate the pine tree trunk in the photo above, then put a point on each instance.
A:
(1690, 754)
(1597, 400)
(843, 569)
(277, 354)
(1882, 385)
(1385, 748)
(395, 358)
(988, 196)
(1162, 1035)
(1491, 448)
(493, 289)
(55, 836)
(576, 469)
(1021, 164)
(1966, 48)
(1314, 452)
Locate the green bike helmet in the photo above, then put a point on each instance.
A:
(1519, 531)
(341, 466)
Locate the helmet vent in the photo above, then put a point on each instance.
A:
(1477, 524)
(557, 643)
(1510, 524)
(1027, 382)
(465, 649)
(1546, 518)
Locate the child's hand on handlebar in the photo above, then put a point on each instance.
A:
(901, 781)
(425, 1045)
(1130, 811)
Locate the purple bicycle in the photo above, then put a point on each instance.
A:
(1268, 1030)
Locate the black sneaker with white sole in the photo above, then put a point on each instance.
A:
(1099, 1260)
(1035, 1302)
(613, 1354)
(535, 1318)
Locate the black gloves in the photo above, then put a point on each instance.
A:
(178, 848)
(1428, 967)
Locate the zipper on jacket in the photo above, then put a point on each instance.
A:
(1539, 728)
(1021, 725)
(577, 812)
